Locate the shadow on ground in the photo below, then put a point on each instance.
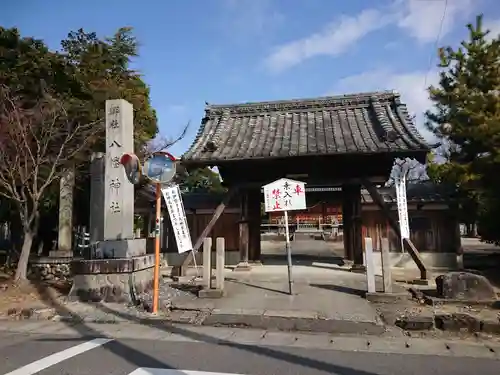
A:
(341, 289)
(236, 281)
(141, 359)
(302, 260)
(487, 264)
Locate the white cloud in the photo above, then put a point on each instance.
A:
(493, 26)
(411, 86)
(333, 40)
(422, 18)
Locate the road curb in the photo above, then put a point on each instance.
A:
(215, 318)
(299, 324)
(449, 322)
(452, 322)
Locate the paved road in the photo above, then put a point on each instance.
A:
(49, 348)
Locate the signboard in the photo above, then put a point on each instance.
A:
(160, 168)
(173, 199)
(404, 224)
(285, 195)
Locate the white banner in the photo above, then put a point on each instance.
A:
(404, 224)
(173, 199)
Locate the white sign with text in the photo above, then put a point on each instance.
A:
(285, 195)
(404, 224)
(173, 199)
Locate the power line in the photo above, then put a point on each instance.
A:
(438, 37)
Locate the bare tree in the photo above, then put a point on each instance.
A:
(162, 143)
(409, 168)
(37, 143)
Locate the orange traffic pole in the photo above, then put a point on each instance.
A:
(156, 283)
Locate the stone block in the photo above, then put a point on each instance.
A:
(420, 322)
(210, 293)
(50, 269)
(457, 322)
(464, 286)
(491, 326)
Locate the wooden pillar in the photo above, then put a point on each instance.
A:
(351, 207)
(347, 215)
(244, 237)
(254, 221)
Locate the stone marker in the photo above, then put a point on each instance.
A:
(207, 260)
(66, 187)
(118, 192)
(220, 249)
(464, 286)
(119, 270)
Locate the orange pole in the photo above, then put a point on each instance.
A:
(156, 283)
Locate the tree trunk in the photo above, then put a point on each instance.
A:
(22, 265)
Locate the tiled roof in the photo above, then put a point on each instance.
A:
(415, 193)
(359, 123)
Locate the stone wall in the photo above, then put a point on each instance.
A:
(112, 280)
(50, 269)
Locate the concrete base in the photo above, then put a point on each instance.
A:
(112, 249)
(387, 297)
(211, 293)
(243, 266)
(358, 268)
(290, 321)
(186, 279)
(112, 280)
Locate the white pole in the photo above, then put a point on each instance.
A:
(289, 255)
(370, 267)
(207, 262)
(220, 263)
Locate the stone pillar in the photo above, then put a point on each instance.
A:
(65, 236)
(118, 192)
(97, 171)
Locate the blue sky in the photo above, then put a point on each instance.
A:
(231, 51)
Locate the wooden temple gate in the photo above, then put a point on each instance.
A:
(349, 141)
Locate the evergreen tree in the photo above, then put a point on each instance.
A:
(466, 118)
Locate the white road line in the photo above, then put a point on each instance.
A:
(58, 357)
(165, 371)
